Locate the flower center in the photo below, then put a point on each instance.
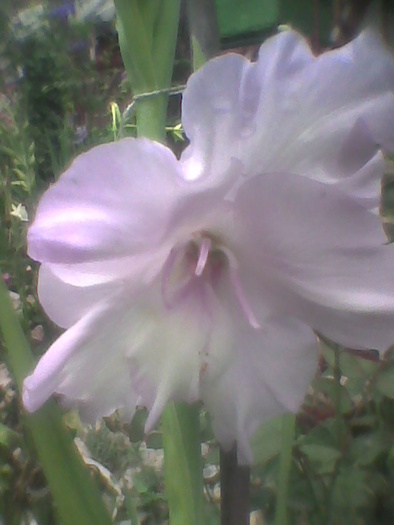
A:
(202, 261)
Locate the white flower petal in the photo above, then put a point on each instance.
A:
(269, 374)
(86, 366)
(66, 304)
(321, 257)
(178, 345)
(111, 203)
(127, 351)
(210, 118)
(204, 278)
(291, 111)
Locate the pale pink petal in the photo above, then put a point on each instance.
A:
(86, 366)
(204, 279)
(269, 374)
(129, 351)
(139, 269)
(291, 111)
(178, 342)
(211, 116)
(111, 203)
(65, 304)
(320, 256)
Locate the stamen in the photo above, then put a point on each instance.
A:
(203, 256)
(241, 296)
(172, 293)
(166, 274)
(239, 290)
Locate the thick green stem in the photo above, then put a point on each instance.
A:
(151, 117)
(143, 24)
(287, 439)
(181, 436)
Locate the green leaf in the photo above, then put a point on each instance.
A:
(385, 381)
(237, 17)
(182, 464)
(323, 458)
(354, 489)
(8, 437)
(148, 56)
(285, 463)
(368, 448)
(351, 365)
(135, 45)
(266, 442)
(310, 18)
(329, 387)
(356, 366)
(77, 498)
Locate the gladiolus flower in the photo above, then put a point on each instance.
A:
(206, 278)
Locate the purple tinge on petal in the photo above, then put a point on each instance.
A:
(269, 374)
(183, 340)
(210, 117)
(114, 201)
(360, 164)
(66, 304)
(48, 374)
(87, 366)
(321, 257)
(148, 321)
(131, 351)
(292, 112)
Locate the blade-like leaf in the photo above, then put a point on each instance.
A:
(182, 462)
(75, 493)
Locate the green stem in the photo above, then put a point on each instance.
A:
(288, 432)
(76, 496)
(151, 117)
(181, 436)
(338, 397)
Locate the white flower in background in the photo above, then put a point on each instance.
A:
(20, 212)
(205, 278)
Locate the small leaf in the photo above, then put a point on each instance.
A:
(329, 387)
(266, 442)
(368, 448)
(356, 366)
(323, 458)
(385, 381)
(182, 464)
